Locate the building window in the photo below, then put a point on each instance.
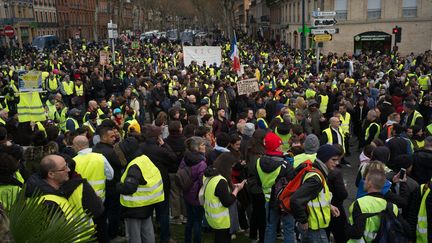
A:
(374, 9)
(409, 8)
(341, 9)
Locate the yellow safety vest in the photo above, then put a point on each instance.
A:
(310, 94)
(91, 166)
(79, 90)
(329, 134)
(267, 179)
(76, 125)
(285, 140)
(147, 194)
(216, 214)
(265, 123)
(367, 130)
(51, 110)
(90, 126)
(370, 204)
(345, 123)
(68, 87)
(30, 107)
(300, 158)
(61, 118)
(414, 118)
(324, 103)
(422, 221)
(52, 85)
(423, 82)
(319, 207)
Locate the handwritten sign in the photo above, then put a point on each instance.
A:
(103, 58)
(247, 86)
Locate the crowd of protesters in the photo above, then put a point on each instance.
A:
(145, 116)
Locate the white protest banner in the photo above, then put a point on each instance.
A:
(30, 81)
(209, 54)
(247, 86)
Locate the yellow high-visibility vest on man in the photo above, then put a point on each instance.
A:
(91, 167)
(323, 103)
(8, 194)
(148, 194)
(345, 122)
(422, 219)
(267, 179)
(68, 87)
(374, 135)
(216, 214)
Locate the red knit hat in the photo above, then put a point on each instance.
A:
(271, 143)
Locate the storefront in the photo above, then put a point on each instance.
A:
(372, 41)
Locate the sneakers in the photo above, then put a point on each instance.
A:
(176, 220)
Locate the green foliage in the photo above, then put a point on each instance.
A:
(32, 222)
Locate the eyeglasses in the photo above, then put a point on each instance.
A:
(66, 167)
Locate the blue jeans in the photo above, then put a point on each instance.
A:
(195, 216)
(272, 218)
(314, 236)
(162, 217)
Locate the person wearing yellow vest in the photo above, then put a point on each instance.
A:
(424, 82)
(52, 84)
(311, 146)
(323, 100)
(373, 129)
(92, 166)
(333, 134)
(10, 185)
(261, 122)
(67, 90)
(50, 107)
(310, 204)
(345, 118)
(272, 168)
(4, 116)
(60, 115)
(420, 213)
(92, 123)
(140, 188)
(410, 116)
(217, 200)
(364, 228)
(53, 174)
(71, 122)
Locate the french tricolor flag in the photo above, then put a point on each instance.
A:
(235, 55)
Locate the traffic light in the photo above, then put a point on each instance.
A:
(397, 31)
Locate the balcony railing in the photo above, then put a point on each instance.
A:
(409, 12)
(374, 13)
(341, 14)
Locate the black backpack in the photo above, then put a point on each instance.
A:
(391, 229)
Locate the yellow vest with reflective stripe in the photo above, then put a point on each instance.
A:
(367, 130)
(300, 158)
(370, 204)
(61, 118)
(329, 134)
(345, 122)
(216, 214)
(79, 90)
(267, 179)
(310, 93)
(147, 194)
(422, 221)
(19, 177)
(285, 140)
(319, 207)
(68, 87)
(90, 126)
(91, 166)
(8, 194)
(265, 123)
(324, 103)
(51, 110)
(74, 121)
(52, 84)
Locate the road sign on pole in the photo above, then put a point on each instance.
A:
(112, 30)
(9, 31)
(317, 14)
(322, 38)
(323, 22)
(323, 31)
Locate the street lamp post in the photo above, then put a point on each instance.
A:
(303, 37)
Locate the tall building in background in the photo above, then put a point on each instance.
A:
(45, 14)
(76, 18)
(19, 15)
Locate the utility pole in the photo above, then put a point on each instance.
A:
(303, 37)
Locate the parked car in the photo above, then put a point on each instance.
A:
(48, 42)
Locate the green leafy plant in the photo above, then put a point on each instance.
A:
(30, 221)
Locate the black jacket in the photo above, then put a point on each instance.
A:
(134, 178)
(107, 150)
(422, 166)
(269, 164)
(36, 185)
(164, 159)
(336, 184)
(177, 144)
(397, 146)
(306, 192)
(406, 192)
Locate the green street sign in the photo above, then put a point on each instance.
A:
(307, 30)
(135, 45)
